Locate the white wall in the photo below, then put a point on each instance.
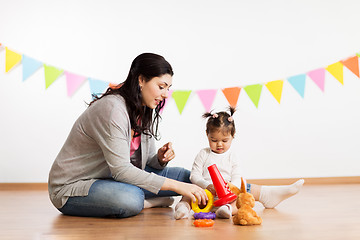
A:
(211, 44)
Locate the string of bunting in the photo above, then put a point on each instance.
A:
(206, 96)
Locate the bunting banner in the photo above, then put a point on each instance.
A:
(232, 95)
(30, 66)
(275, 88)
(298, 82)
(207, 97)
(336, 69)
(97, 86)
(181, 97)
(318, 77)
(51, 74)
(73, 82)
(254, 92)
(166, 102)
(11, 59)
(352, 63)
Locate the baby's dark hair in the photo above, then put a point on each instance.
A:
(220, 121)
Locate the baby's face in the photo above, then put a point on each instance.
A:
(219, 141)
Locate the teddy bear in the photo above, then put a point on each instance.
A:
(245, 202)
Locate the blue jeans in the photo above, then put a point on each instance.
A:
(109, 198)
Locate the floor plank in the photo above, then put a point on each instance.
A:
(317, 212)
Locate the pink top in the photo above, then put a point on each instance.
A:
(135, 143)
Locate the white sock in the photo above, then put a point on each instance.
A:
(158, 202)
(271, 196)
(225, 211)
(182, 210)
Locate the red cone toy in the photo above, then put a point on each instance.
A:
(222, 189)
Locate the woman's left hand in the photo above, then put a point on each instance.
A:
(166, 153)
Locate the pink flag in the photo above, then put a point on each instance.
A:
(318, 76)
(166, 101)
(73, 82)
(207, 97)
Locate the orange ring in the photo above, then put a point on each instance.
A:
(204, 222)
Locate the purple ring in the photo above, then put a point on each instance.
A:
(204, 215)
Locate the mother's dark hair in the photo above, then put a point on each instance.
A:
(147, 65)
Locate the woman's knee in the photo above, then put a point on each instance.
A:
(107, 198)
(128, 204)
(116, 198)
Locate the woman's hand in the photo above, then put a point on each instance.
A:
(166, 154)
(189, 190)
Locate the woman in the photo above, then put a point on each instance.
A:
(108, 164)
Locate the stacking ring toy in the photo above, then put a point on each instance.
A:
(205, 215)
(204, 222)
(195, 207)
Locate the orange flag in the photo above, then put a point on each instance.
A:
(352, 63)
(232, 95)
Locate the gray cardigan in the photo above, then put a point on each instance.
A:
(98, 147)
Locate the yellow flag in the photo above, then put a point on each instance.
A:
(336, 69)
(12, 58)
(275, 88)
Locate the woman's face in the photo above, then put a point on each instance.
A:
(155, 90)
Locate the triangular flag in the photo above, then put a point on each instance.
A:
(275, 88)
(29, 66)
(166, 101)
(181, 98)
(51, 74)
(336, 69)
(97, 86)
(254, 92)
(352, 63)
(115, 85)
(298, 82)
(232, 95)
(318, 77)
(73, 82)
(207, 97)
(12, 58)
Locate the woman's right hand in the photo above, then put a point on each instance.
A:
(189, 190)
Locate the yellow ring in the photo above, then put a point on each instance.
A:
(195, 207)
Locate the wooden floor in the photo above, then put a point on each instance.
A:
(317, 212)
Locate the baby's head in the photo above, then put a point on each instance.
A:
(220, 130)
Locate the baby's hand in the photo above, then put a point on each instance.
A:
(211, 189)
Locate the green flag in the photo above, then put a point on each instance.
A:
(254, 92)
(181, 98)
(51, 74)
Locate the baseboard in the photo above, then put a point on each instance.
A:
(308, 181)
(282, 181)
(23, 186)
